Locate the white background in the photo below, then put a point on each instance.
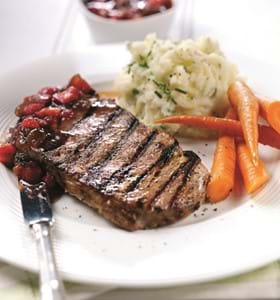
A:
(31, 29)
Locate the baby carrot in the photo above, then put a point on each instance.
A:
(227, 126)
(247, 107)
(237, 190)
(223, 168)
(253, 176)
(267, 135)
(270, 111)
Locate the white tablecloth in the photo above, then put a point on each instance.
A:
(263, 283)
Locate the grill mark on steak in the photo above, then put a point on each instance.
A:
(124, 155)
(132, 174)
(165, 155)
(119, 166)
(194, 189)
(80, 136)
(191, 163)
(153, 183)
(100, 148)
(81, 148)
(165, 199)
(93, 172)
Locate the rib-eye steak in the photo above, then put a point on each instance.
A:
(135, 176)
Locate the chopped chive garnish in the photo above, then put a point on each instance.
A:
(172, 100)
(214, 92)
(144, 65)
(135, 92)
(149, 53)
(165, 90)
(186, 69)
(180, 91)
(144, 61)
(129, 67)
(158, 94)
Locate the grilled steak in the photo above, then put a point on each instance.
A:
(135, 176)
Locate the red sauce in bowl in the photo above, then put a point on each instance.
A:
(127, 9)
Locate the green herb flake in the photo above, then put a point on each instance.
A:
(165, 90)
(214, 92)
(172, 100)
(181, 91)
(144, 65)
(163, 87)
(143, 60)
(158, 94)
(129, 67)
(186, 70)
(135, 92)
(149, 53)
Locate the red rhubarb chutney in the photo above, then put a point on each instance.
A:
(43, 119)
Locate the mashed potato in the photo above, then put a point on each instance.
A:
(172, 78)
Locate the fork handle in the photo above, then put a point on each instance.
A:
(51, 287)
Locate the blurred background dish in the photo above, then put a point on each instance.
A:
(115, 21)
(127, 9)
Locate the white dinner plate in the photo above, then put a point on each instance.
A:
(220, 240)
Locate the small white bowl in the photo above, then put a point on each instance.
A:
(107, 30)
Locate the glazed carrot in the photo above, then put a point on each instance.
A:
(223, 168)
(253, 176)
(238, 189)
(270, 111)
(231, 114)
(267, 135)
(247, 107)
(227, 126)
